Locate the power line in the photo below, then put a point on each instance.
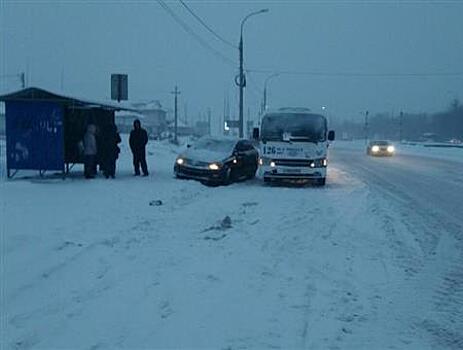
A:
(205, 25)
(357, 74)
(186, 28)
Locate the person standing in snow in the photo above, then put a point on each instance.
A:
(110, 139)
(138, 140)
(90, 151)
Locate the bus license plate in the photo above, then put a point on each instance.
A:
(292, 171)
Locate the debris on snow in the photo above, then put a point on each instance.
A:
(156, 203)
(224, 224)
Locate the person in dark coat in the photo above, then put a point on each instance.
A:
(110, 150)
(138, 140)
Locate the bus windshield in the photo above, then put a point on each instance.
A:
(289, 127)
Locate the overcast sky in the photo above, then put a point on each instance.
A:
(76, 45)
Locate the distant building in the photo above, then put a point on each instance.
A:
(202, 128)
(125, 119)
(155, 120)
(182, 129)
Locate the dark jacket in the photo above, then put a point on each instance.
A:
(138, 140)
(109, 143)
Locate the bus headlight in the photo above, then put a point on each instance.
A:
(390, 149)
(319, 163)
(265, 161)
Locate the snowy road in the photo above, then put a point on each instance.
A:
(430, 186)
(372, 261)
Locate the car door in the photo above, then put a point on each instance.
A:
(247, 157)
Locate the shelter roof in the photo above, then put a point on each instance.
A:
(38, 94)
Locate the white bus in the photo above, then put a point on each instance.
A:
(294, 145)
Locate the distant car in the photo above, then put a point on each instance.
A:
(380, 148)
(218, 160)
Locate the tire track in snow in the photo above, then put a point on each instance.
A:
(439, 313)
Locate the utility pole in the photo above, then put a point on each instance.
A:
(209, 120)
(241, 84)
(366, 126)
(176, 92)
(22, 77)
(400, 125)
(185, 116)
(62, 79)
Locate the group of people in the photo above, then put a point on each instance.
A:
(102, 147)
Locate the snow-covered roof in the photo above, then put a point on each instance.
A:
(143, 105)
(129, 114)
(38, 94)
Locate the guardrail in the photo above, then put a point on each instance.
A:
(433, 144)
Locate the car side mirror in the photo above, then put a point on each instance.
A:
(255, 133)
(331, 135)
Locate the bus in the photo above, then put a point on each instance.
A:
(293, 146)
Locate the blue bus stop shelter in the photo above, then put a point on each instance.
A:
(43, 129)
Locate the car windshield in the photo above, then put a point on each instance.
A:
(380, 143)
(215, 145)
(302, 127)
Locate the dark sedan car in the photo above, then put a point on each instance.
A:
(380, 148)
(217, 160)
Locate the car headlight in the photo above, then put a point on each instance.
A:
(180, 161)
(214, 166)
(273, 164)
(375, 149)
(390, 149)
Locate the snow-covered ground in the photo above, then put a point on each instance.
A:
(368, 262)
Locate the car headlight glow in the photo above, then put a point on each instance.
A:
(375, 149)
(214, 166)
(272, 164)
(261, 161)
(390, 149)
(180, 161)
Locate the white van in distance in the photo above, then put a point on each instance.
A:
(293, 146)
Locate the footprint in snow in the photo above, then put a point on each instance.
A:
(249, 204)
(165, 309)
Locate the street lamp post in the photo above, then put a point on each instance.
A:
(241, 81)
